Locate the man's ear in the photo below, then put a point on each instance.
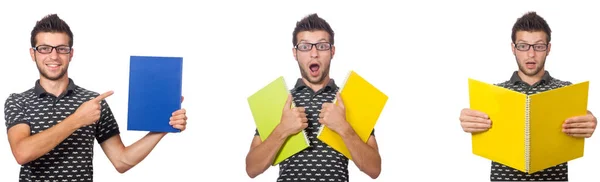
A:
(512, 46)
(332, 50)
(71, 54)
(32, 54)
(294, 53)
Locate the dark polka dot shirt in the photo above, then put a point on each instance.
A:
(501, 172)
(319, 162)
(71, 160)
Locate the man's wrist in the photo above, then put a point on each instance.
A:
(347, 131)
(73, 121)
(279, 134)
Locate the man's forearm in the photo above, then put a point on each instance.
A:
(138, 151)
(366, 158)
(261, 157)
(34, 146)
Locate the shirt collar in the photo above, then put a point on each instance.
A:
(516, 79)
(300, 85)
(40, 91)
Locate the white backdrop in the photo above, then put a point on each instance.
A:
(420, 54)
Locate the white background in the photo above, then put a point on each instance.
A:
(420, 54)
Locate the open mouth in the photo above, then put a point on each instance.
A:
(314, 69)
(530, 64)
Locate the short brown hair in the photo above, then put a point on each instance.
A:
(312, 22)
(51, 23)
(531, 22)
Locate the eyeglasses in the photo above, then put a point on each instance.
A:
(321, 46)
(536, 47)
(46, 49)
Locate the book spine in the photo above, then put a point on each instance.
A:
(320, 130)
(527, 144)
(306, 137)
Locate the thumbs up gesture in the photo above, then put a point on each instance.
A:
(293, 120)
(333, 115)
(88, 113)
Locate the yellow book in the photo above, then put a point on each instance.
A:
(266, 106)
(526, 132)
(364, 103)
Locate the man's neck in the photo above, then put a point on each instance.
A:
(316, 86)
(55, 87)
(532, 79)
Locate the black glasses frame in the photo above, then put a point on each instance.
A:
(313, 45)
(531, 45)
(37, 48)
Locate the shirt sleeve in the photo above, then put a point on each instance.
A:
(568, 83)
(14, 111)
(107, 125)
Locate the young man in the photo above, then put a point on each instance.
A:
(530, 45)
(52, 126)
(313, 96)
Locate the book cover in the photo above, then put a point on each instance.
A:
(266, 106)
(364, 104)
(155, 85)
(526, 127)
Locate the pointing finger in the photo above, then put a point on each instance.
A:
(103, 96)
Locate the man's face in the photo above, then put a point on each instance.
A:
(531, 59)
(314, 60)
(52, 63)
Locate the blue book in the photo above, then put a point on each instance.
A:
(154, 92)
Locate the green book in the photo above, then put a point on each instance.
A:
(266, 106)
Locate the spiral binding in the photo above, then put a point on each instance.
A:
(527, 158)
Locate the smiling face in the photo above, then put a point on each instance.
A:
(314, 60)
(52, 63)
(530, 50)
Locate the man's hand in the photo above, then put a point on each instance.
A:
(88, 113)
(293, 120)
(334, 115)
(580, 126)
(178, 118)
(473, 121)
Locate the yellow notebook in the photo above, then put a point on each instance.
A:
(526, 132)
(364, 103)
(266, 106)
